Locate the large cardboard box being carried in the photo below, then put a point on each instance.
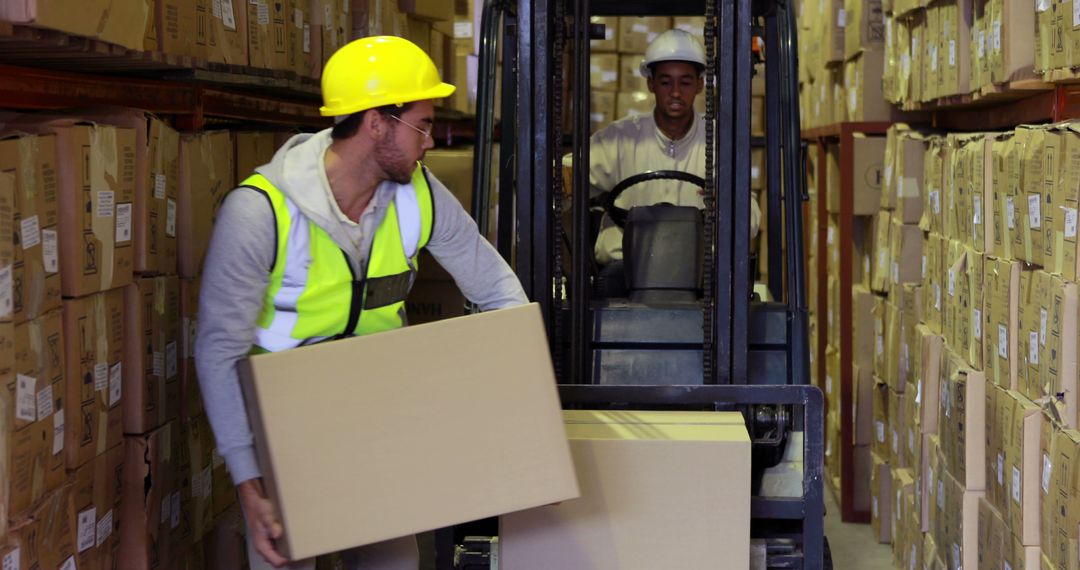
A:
(634, 511)
(206, 176)
(484, 378)
(94, 365)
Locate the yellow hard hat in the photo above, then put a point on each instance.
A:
(376, 71)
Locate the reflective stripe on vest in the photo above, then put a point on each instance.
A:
(313, 294)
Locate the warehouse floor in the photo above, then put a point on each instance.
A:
(853, 545)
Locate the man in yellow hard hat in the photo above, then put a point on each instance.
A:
(322, 243)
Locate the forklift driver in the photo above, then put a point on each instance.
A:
(671, 138)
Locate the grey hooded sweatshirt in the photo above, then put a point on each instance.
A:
(238, 263)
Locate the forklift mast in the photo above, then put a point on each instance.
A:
(733, 350)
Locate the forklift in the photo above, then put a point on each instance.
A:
(693, 331)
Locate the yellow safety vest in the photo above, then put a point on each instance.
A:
(313, 294)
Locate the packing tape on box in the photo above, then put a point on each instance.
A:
(28, 151)
(909, 187)
(159, 296)
(104, 166)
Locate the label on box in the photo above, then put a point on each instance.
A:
(68, 564)
(1033, 347)
(880, 345)
(957, 561)
(6, 305)
(159, 364)
(609, 76)
(880, 432)
(464, 30)
(918, 392)
(952, 53)
(946, 402)
(170, 217)
(952, 283)
(937, 296)
(87, 529)
(1042, 5)
(45, 402)
(166, 508)
(170, 360)
(841, 18)
(924, 267)
(1010, 209)
(104, 528)
(101, 376)
(873, 513)
(911, 440)
(25, 403)
(853, 99)
(115, 383)
(828, 384)
(215, 9)
(888, 174)
(1006, 566)
(1048, 467)
(1001, 469)
(263, 13)
(905, 63)
(1043, 316)
(228, 17)
(1003, 342)
(1034, 201)
(50, 251)
(982, 43)
(913, 559)
(58, 432)
(307, 38)
(12, 560)
(977, 216)
(896, 272)
(30, 232)
(174, 512)
(976, 323)
(298, 18)
(639, 28)
(1070, 213)
(997, 35)
(105, 203)
(895, 443)
(123, 222)
(941, 493)
(933, 58)
(1016, 484)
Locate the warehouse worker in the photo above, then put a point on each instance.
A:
(671, 138)
(351, 200)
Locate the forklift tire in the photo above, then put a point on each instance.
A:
(826, 556)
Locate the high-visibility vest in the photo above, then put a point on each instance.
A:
(313, 293)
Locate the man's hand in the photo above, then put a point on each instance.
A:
(262, 520)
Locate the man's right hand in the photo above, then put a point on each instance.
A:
(262, 520)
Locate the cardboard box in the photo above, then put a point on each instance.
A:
(866, 176)
(641, 103)
(902, 190)
(253, 149)
(96, 191)
(33, 287)
(1034, 288)
(897, 435)
(335, 25)
(1001, 314)
(1013, 31)
(152, 378)
(604, 72)
(864, 27)
(96, 490)
(191, 404)
(956, 19)
(1060, 495)
(630, 78)
(45, 537)
(33, 372)
(912, 438)
(963, 423)
(266, 39)
(1065, 195)
(601, 109)
(94, 364)
(862, 321)
(121, 23)
(1022, 463)
(928, 385)
(832, 24)
(881, 421)
(1059, 364)
(227, 34)
(635, 34)
(156, 192)
(892, 346)
(881, 500)
(206, 176)
(998, 433)
(903, 514)
(862, 81)
(611, 31)
(906, 253)
(149, 492)
(933, 179)
(1039, 157)
(863, 418)
(992, 535)
(275, 405)
(181, 32)
(956, 522)
(933, 280)
(624, 491)
(430, 10)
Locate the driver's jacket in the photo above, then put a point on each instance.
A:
(633, 145)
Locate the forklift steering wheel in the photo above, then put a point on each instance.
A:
(618, 215)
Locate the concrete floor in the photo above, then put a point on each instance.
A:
(853, 545)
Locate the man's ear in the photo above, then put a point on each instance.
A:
(374, 124)
(649, 83)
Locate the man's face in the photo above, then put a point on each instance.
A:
(403, 142)
(675, 84)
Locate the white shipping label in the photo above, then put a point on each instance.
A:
(30, 233)
(307, 38)
(87, 529)
(174, 512)
(1033, 347)
(298, 18)
(104, 528)
(12, 560)
(935, 201)
(881, 432)
(1003, 342)
(1048, 467)
(880, 345)
(68, 564)
(1016, 484)
(977, 217)
(913, 558)
(170, 360)
(911, 440)
(25, 402)
(1042, 5)
(853, 100)
(888, 174)
(159, 364)
(905, 63)
(952, 53)
(45, 402)
(228, 17)
(924, 267)
(115, 383)
(976, 323)
(123, 222)
(957, 562)
(58, 432)
(1070, 213)
(895, 443)
(263, 13)
(841, 19)
(6, 303)
(982, 43)
(896, 272)
(1006, 566)
(639, 28)
(937, 296)
(101, 376)
(1034, 217)
(952, 283)
(170, 217)
(105, 203)
(328, 16)
(609, 76)
(215, 9)
(941, 493)
(1043, 317)
(50, 249)
(828, 384)
(997, 35)
(166, 507)
(1001, 469)
(933, 58)
(464, 30)
(1010, 213)
(873, 513)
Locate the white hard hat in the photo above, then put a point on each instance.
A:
(673, 45)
